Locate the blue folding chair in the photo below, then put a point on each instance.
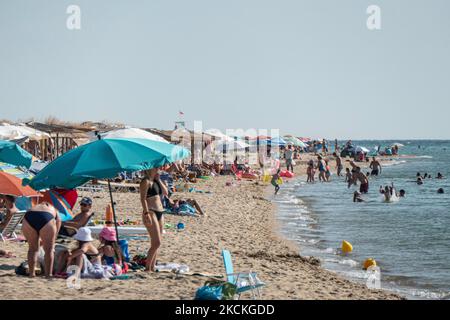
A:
(244, 281)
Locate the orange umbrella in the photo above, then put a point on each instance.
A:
(11, 185)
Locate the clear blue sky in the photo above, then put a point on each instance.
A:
(310, 68)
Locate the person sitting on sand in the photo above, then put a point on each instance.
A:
(375, 166)
(439, 176)
(86, 256)
(339, 165)
(310, 172)
(109, 249)
(10, 206)
(69, 228)
(357, 197)
(274, 181)
(41, 222)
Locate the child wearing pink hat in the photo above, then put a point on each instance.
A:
(109, 247)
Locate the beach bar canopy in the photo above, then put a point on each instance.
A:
(125, 133)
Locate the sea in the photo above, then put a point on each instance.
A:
(409, 239)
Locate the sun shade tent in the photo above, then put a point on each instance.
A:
(294, 141)
(11, 153)
(105, 159)
(17, 132)
(361, 149)
(127, 133)
(230, 145)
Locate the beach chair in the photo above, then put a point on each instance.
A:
(244, 281)
(9, 231)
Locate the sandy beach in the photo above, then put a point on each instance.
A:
(239, 218)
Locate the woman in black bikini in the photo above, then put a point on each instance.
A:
(151, 189)
(41, 222)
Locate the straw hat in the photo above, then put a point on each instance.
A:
(108, 233)
(83, 234)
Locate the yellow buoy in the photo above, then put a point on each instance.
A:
(346, 247)
(369, 263)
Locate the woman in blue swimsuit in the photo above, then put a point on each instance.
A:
(41, 222)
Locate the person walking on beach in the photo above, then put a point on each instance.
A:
(151, 191)
(274, 181)
(339, 165)
(288, 153)
(375, 166)
(41, 222)
(322, 168)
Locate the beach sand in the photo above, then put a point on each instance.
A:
(239, 218)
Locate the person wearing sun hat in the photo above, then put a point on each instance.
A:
(109, 248)
(85, 249)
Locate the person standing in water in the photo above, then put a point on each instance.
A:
(274, 181)
(361, 177)
(339, 165)
(375, 166)
(322, 168)
(288, 153)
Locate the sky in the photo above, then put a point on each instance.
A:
(308, 68)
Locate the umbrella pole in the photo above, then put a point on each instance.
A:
(113, 209)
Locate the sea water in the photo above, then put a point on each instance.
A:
(409, 239)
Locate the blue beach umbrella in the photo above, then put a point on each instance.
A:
(278, 141)
(105, 159)
(11, 153)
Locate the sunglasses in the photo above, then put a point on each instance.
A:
(85, 204)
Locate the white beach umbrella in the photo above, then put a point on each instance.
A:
(135, 133)
(16, 132)
(218, 134)
(361, 149)
(230, 145)
(398, 145)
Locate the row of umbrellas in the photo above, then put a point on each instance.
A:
(99, 159)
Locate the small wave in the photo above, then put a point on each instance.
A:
(349, 262)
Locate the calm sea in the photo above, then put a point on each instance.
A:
(409, 239)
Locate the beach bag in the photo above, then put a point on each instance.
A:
(216, 290)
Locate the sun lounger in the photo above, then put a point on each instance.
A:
(9, 231)
(244, 281)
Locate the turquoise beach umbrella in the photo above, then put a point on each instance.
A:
(11, 153)
(105, 159)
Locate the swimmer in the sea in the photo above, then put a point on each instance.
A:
(440, 190)
(419, 181)
(357, 197)
(402, 193)
(439, 176)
